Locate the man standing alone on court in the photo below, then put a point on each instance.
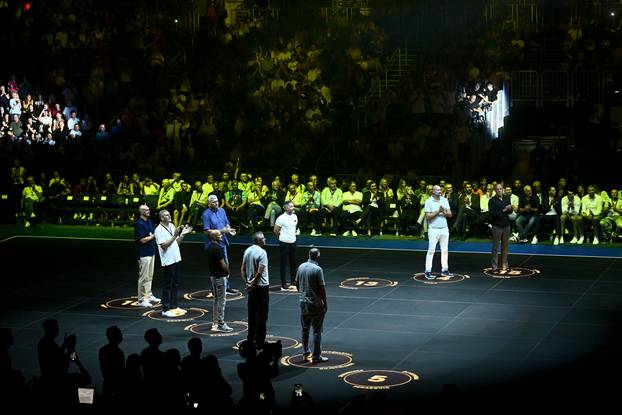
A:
(437, 211)
(285, 231)
(500, 207)
(313, 305)
(254, 273)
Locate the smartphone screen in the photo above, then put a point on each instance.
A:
(85, 395)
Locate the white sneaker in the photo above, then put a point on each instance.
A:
(169, 313)
(595, 241)
(153, 299)
(313, 232)
(580, 241)
(180, 311)
(346, 233)
(354, 233)
(534, 240)
(145, 303)
(573, 240)
(556, 241)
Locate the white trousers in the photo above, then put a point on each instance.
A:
(145, 276)
(437, 235)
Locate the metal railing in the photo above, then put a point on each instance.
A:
(565, 87)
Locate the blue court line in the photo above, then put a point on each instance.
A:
(584, 250)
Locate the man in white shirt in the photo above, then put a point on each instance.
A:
(351, 212)
(437, 211)
(571, 210)
(168, 239)
(285, 231)
(591, 210)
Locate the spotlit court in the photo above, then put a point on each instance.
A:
(552, 332)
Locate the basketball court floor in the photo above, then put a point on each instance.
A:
(548, 329)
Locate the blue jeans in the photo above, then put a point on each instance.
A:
(219, 291)
(520, 224)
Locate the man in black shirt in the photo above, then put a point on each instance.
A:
(219, 272)
(499, 207)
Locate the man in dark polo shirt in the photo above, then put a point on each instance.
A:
(219, 272)
(499, 207)
(145, 253)
(313, 305)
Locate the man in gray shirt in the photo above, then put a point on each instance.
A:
(254, 273)
(313, 304)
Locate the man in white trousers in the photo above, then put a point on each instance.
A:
(437, 211)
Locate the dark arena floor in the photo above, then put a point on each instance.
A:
(549, 332)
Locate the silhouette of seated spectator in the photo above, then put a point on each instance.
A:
(256, 374)
(175, 392)
(11, 381)
(153, 363)
(133, 384)
(112, 366)
(191, 371)
(215, 390)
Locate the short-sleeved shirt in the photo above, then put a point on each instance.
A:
(310, 277)
(171, 255)
(288, 223)
(432, 205)
(215, 253)
(215, 220)
(254, 256)
(142, 229)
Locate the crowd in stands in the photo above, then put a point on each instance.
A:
(347, 207)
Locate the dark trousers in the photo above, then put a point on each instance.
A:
(169, 286)
(258, 307)
(500, 235)
(288, 260)
(311, 317)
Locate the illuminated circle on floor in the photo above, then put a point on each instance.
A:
(276, 289)
(365, 283)
(439, 279)
(127, 303)
(205, 329)
(286, 342)
(191, 314)
(512, 272)
(336, 360)
(208, 295)
(378, 379)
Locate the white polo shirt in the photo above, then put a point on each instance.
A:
(171, 255)
(288, 225)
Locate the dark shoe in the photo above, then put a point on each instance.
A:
(446, 273)
(428, 275)
(232, 291)
(319, 359)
